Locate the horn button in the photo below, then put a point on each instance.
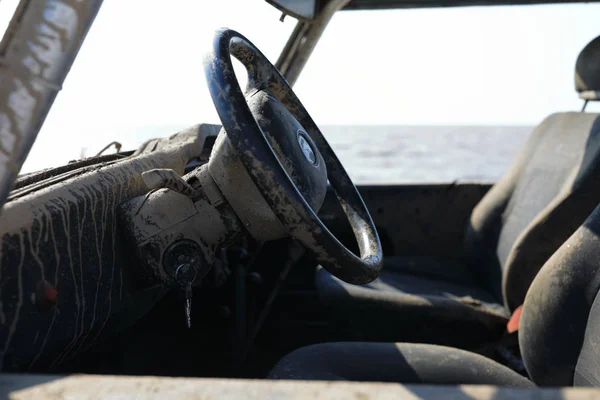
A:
(292, 145)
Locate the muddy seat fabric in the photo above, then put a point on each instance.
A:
(559, 336)
(551, 187)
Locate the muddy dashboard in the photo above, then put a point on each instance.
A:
(66, 272)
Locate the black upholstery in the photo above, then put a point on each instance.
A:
(588, 364)
(559, 335)
(416, 308)
(394, 362)
(557, 311)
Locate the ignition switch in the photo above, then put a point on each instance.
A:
(182, 261)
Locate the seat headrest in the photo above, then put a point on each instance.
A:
(587, 71)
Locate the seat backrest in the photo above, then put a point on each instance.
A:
(549, 190)
(559, 332)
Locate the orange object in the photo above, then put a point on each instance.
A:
(513, 322)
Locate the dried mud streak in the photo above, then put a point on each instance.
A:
(35, 250)
(67, 229)
(80, 230)
(98, 253)
(112, 276)
(55, 311)
(71, 350)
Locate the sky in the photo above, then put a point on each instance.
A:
(139, 72)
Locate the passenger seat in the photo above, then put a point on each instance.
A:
(549, 190)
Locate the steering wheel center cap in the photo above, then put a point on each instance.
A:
(306, 147)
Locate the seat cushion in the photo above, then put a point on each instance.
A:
(412, 305)
(394, 362)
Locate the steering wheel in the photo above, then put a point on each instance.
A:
(291, 164)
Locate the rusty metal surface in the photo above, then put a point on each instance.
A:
(64, 267)
(88, 387)
(36, 54)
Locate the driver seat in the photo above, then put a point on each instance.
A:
(547, 193)
(558, 336)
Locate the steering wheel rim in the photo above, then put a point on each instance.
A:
(267, 172)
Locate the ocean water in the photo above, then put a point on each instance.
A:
(410, 154)
(370, 154)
